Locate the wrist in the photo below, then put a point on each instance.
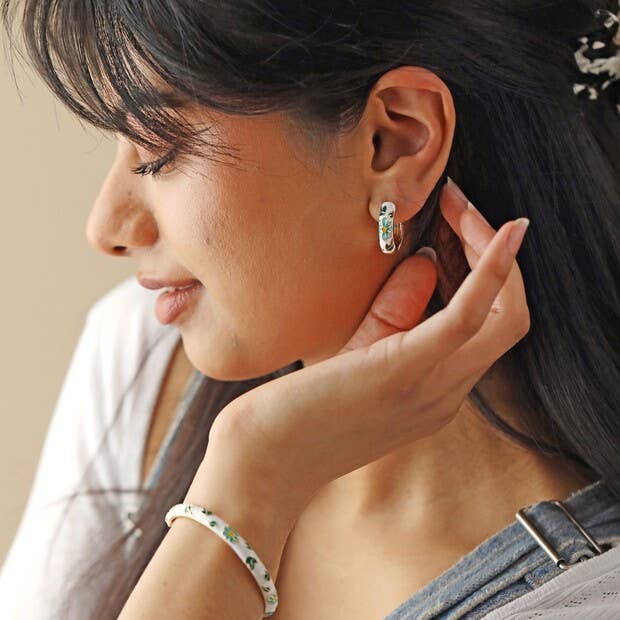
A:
(252, 513)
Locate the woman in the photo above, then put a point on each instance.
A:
(377, 423)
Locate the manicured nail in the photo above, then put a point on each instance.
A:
(428, 251)
(457, 191)
(517, 232)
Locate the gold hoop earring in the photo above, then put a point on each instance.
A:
(390, 235)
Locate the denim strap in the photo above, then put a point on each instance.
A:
(512, 563)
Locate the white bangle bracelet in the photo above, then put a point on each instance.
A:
(239, 545)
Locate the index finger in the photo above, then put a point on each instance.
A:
(452, 327)
(475, 234)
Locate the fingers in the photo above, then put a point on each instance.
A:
(400, 304)
(468, 223)
(461, 320)
(476, 233)
(509, 311)
(510, 306)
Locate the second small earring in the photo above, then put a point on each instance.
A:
(390, 235)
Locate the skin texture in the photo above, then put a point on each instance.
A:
(279, 237)
(286, 247)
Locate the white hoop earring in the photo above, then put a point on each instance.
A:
(390, 236)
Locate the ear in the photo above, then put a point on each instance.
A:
(406, 130)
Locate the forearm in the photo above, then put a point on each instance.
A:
(195, 574)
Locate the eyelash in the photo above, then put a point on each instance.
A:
(154, 167)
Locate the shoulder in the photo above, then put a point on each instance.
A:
(110, 386)
(119, 363)
(97, 428)
(109, 390)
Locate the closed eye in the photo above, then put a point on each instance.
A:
(154, 167)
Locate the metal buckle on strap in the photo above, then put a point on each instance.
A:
(544, 543)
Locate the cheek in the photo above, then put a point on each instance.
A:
(264, 253)
(280, 253)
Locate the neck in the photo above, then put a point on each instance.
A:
(465, 482)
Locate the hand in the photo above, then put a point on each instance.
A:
(396, 381)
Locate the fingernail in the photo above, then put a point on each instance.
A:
(517, 233)
(428, 251)
(457, 191)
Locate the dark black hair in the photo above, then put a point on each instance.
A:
(524, 145)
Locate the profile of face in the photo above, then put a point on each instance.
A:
(284, 240)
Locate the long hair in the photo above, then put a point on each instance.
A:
(524, 145)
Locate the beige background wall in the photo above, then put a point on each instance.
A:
(50, 171)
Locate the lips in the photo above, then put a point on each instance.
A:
(170, 289)
(170, 305)
(155, 283)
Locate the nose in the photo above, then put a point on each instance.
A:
(120, 221)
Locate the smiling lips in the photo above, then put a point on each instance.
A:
(155, 283)
(171, 303)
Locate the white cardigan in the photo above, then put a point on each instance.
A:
(118, 331)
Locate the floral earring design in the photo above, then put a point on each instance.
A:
(390, 236)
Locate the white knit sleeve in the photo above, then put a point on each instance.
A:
(109, 390)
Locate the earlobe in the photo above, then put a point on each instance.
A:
(410, 122)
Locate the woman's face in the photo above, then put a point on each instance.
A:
(284, 244)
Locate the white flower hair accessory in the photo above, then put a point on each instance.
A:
(598, 58)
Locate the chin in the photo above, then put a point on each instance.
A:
(228, 365)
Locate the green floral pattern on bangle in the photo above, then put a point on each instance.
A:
(239, 545)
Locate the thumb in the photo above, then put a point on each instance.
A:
(401, 302)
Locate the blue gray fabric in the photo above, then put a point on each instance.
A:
(192, 390)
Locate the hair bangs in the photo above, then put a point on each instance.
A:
(87, 53)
